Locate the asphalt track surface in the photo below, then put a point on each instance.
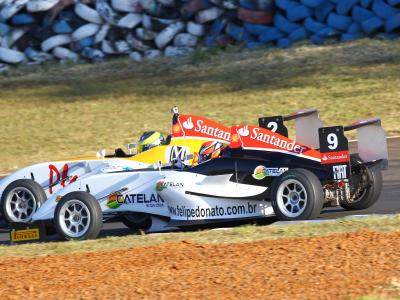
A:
(389, 202)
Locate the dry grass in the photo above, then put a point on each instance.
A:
(242, 234)
(50, 112)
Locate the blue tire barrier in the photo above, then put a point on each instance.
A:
(238, 33)
(94, 55)
(265, 5)
(328, 32)
(322, 11)
(283, 43)
(311, 25)
(387, 36)
(317, 39)
(255, 16)
(348, 37)
(62, 26)
(230, 15)
(360, 14)
(4, 29)
(298, 13)
(257, 29)
(312, 3)
(286, 4)
(218, 26)
(365, 3)
(284, 24)
(338, 21)
(81, 44)
(345, 6)
(392, 23)
(297, 35)
(383, 10)
(248, 4)
(393, 2)
(194, 6)
(253, 45)
(270, 35)
(354, 28)
(22, 19)
(210, 41)
(372, 25)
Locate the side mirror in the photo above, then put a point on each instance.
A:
(132, 148)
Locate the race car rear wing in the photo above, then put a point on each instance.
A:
(371, 143)
(371, 140)
(307, 123)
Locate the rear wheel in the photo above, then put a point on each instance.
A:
(366, 184)
(78, 216)
(137, 221)
(21, 199)
(297, 195)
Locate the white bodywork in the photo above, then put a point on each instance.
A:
(162, 194)
(195, 197)
(51, 178)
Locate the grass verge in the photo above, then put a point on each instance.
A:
(53, 112)
(242, 234)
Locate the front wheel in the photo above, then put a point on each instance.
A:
(137, 221)
(297, 195)
(21, 199)
(78, 216)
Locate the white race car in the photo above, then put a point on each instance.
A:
(25, 190)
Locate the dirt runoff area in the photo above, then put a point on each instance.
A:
(338, 266)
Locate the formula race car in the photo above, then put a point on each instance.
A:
(24, 191)
(246, 173)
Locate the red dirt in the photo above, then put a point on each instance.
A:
(331, 267)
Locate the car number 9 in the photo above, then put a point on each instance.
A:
(332, 140)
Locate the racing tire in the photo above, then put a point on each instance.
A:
(137, 221)
(369, 195)
(21, 199)
(297, 195)
(78, 216)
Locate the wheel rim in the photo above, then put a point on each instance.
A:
(20, 204)
(291, 198)
(74, 218)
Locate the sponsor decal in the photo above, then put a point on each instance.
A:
(260, 172)
(256, 138)
(61, 176)
(112, 201)
(276, 141)
(335, 157)
(162, 185)
(116, 199)
(244, 131)
(58, 198)
(193, 126)
(25, 235)
(339, 172)
(209, 212)
(188, 124)
(174, 152)
(211, 131)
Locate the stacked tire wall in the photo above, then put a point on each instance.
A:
(34, 31)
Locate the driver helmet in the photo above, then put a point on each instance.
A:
(210, 150)
(148, 140)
